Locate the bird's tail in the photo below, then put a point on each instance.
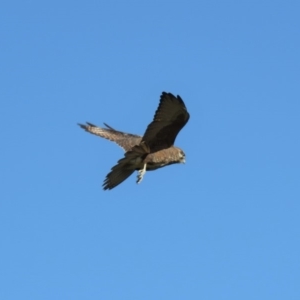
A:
(132, 160)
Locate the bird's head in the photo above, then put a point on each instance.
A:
(181, 156)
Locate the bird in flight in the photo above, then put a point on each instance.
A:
(155, 149)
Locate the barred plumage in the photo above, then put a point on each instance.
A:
(152, 151)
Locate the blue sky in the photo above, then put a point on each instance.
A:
(223, 226)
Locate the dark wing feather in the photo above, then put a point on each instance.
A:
(125, 140)
(170, 117)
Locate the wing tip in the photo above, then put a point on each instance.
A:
(83, 126)
(171, 97)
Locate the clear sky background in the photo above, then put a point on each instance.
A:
(223, 226)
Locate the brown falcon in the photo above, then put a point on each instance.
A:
(152, 151)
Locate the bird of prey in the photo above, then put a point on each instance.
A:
(155, 149)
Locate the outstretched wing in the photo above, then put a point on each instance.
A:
(125, 140)
(170, 117)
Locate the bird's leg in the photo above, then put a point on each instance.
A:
(141, 174)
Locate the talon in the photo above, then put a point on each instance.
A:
(141, 174)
